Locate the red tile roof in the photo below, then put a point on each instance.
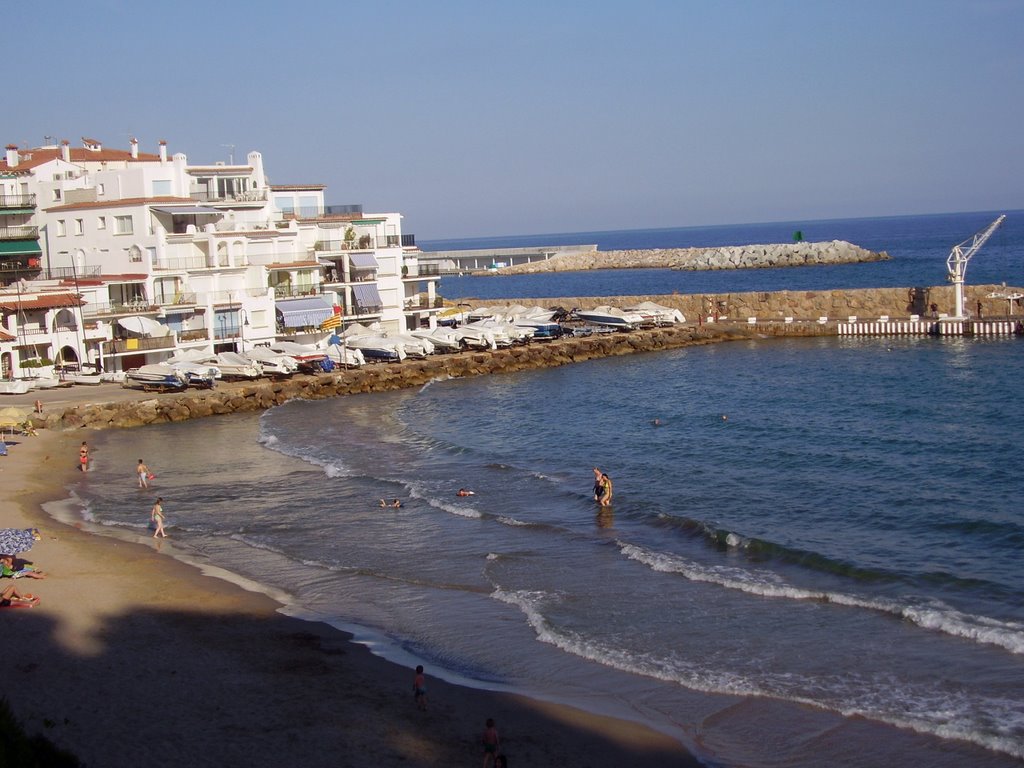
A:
(5, 336)
(122, 203)
(44, 301)
(30, 158)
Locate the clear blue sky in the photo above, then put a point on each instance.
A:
(481, 118)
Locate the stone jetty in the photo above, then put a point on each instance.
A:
(782, 313)
(800, 254)
(131, 408)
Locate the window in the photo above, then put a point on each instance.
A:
(161, 188)
(101, 222)
(79, 226)
(56, 195)
(123, 225)
(100, 189)
(61, 228)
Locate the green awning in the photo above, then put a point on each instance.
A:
(19, 248)
(368, 221)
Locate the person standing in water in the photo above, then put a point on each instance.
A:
(83, 457)
(157, 516)
(143, 472)
(605, 496)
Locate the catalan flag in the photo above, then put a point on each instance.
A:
(332, 322)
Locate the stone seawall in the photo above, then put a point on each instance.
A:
(727, 257)
(800, 305)
(131, 409)
(244, 397)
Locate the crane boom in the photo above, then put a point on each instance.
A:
(956, 263)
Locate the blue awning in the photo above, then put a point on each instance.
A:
(367, 296)
(363, 260)
(300, 313)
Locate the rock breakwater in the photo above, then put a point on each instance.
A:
(245, 397)
(729, 257)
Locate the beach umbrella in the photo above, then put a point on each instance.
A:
(16, 540)
(12, 416)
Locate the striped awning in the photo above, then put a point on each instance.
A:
(363, 260)
(367, 296)
(302, 313)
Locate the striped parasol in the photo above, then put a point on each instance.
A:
(16, 540)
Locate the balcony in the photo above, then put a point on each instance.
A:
(19, 233)
(17, 201)
(295, 291)
(416, 271)
(182, 264)
(144, 344)
(252, 196)
(114, 309)
(181, 298)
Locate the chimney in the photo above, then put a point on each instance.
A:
(12, 155)
(135, 147)
(163, 152)
(65, 151)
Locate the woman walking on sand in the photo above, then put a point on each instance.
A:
(157, 516)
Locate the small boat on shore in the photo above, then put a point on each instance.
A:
(14, 387)
(657, 314)
(155, 376)
(612, 317)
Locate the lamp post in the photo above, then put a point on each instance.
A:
(243, 317)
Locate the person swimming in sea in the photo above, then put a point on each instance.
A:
(465, 492)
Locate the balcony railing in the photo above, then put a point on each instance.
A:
(294, 291)
(143, 344)
(422, 270)
(19, 233)
(252, 196)
(17, 201)
(118, 308)
(178, 299)
(408, 241)
(180, 264)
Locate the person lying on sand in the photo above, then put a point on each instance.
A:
(8, 570)
(11, 597)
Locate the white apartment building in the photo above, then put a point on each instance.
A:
(143, 254)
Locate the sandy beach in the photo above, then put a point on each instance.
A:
(133, 658)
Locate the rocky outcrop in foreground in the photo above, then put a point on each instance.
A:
(726, 257)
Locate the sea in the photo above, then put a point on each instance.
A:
(812, 555)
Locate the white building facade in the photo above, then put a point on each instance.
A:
(151, 255)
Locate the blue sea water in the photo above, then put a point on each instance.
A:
(918, 245)
(812, 560)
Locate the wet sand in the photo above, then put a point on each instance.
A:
(134, 658)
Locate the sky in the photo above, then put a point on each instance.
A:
(482, 118)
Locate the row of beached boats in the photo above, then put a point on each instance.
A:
(479, 328)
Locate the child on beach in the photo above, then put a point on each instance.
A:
(157, 516)
(490, 741)
(83, 457)
(419, 689)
